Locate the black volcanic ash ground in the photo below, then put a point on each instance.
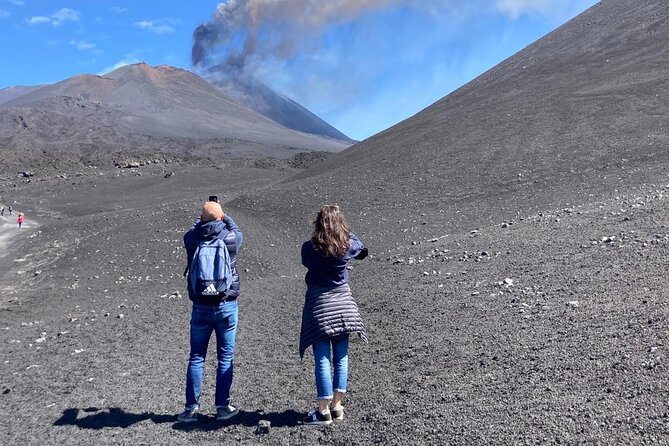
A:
(547, 328)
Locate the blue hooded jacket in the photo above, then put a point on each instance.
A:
(225, 230)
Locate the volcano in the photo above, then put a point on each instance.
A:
(138, 105)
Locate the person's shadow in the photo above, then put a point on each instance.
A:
(110, 417)
(117, 417)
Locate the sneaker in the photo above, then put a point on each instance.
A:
(337, 412)
(226, 412)
(315, 418)
(188, 415)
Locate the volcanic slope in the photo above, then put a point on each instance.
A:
(277, 107)
(581, 111)
(149, 107)
(9, 93)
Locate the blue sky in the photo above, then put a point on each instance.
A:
(362, 69)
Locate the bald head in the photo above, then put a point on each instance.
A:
(212, 211)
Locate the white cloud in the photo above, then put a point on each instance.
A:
(57, 18)
(82, 45)
(157, 26)
(516, 8)
(557, 11)
(64, 15)
(4, 14)
(119, 64)
(17, 2)
(118, 9)
(36, 20)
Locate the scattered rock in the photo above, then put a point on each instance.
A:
(263, 427)
(574, 303)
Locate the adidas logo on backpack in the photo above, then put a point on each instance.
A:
(209, 272)
(210, 290)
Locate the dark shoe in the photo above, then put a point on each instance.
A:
(188, 415)
(226, 412)
(315, 418)
(337, 413)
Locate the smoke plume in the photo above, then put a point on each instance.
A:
(242, 31)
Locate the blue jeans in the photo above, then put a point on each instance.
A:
(324, 381)
(205, 319)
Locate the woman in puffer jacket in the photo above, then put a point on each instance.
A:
(330, 314)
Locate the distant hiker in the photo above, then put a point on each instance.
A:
(212, 244)
(10, 210)
(19, 221)
(2, 211)
(329, 313)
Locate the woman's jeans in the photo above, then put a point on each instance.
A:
(205, 319)
(324, 381)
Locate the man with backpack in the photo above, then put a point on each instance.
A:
(212, 244)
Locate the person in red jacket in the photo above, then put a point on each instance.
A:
(20, 220)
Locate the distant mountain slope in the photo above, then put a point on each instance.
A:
(582, 111)
(9, 93)
(277, 107)
(143, 102)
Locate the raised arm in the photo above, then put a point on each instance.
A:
(357, 248)
(232, 226)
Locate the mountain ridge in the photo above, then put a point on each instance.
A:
(154, 102)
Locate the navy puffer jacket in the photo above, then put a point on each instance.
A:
(225, 230)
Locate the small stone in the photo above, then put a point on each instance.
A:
(263, 427)
(120, 316)
(574, 303)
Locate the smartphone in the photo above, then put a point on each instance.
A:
(213, 198)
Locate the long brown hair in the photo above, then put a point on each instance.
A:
(331, 232)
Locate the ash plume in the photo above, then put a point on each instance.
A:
(243, 30)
